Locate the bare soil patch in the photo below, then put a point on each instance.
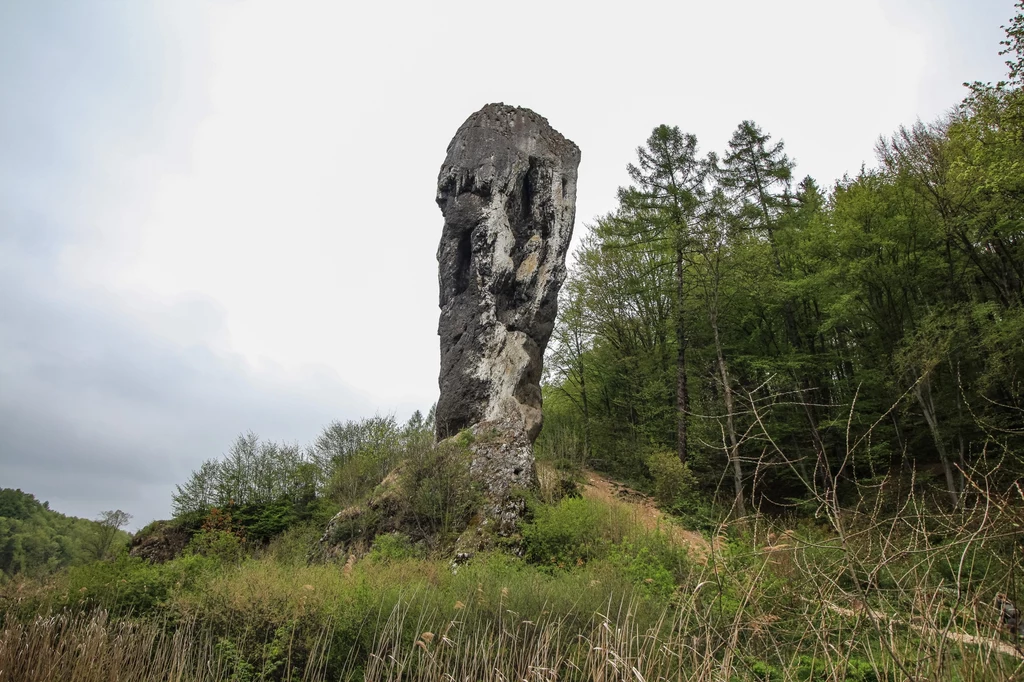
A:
(644, 511)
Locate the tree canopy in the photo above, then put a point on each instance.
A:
(791, 337)
(36, 541)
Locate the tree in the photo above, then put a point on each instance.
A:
(1013, 46)
(626, 292)
(712, 255)
(567, 361)
(659, 210)
(758, 175)
(199, 492)
(109, 525)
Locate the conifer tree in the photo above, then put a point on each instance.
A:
(662, 205)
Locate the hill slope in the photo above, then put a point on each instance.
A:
(36, 540)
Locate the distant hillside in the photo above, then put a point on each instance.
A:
(35, 540)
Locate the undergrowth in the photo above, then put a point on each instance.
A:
(594, 596)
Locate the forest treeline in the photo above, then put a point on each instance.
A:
(779, 337)
(267, 487)
(36, 540)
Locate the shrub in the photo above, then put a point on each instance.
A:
(359, 474)
(391, 547)
(221, 545)
(564, 535)
(647, 572)
(653, 562)
(129, 585)
(262, 522)
(220, 537)
(438, 493)
(293, 545)
(674, 484)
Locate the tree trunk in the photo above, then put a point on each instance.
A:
(821, 467)
(682, 392)
(586, 408)
(730, 428)
(924, 399)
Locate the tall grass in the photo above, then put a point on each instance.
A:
(781, 612)
(92, 648)
(889, 586)
(778, 612)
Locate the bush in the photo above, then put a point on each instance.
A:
(293, 546)
(221, 545)
(674, 484)
(262, 522)
(564, 535)
(391, 547)
(129, 585)
(221, 537)
(270, 486)
(654, 563)
(357, 476)
(438, 493)
(430, 498)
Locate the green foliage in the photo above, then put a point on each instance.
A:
(569, 534)
(129, 585)
(562, 441)
(360, 527)
(262, 522)
(103, 541)
(438, 492)
(293, 546)
(391, 547)
(19, 506)
(36, 541)
(971, 568)
(430, 498)
(268, 488)
(842, 355)
(775, 612)
(829, 337)
(675, 486)
(242, 669)
(222, 545)
(361, 454)
(653, 567)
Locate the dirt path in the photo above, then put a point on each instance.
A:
(644, 511)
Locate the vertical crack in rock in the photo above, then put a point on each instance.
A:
(507, 190)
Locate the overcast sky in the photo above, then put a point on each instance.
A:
(219, 216)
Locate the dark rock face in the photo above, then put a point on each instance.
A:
(163, 541)
(507, 190)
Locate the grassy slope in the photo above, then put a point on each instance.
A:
(607, 586)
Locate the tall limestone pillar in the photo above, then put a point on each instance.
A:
(507, 190)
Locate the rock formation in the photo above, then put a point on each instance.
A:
(507, 190)
(161, 541)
